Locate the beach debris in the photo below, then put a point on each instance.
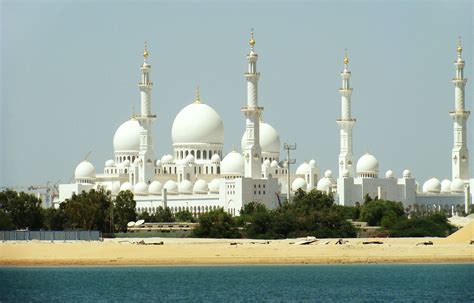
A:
(306, 241)
(341, 241)
(327, 242)
(372, 242)
(265, 242)
(142, 242)
(236, 243)
(425, 243)
(472, 242)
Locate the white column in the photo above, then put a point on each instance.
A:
(252, 151)
(460, 153)
(346, 123)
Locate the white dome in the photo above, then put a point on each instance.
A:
(171, 187)
(389, 174)
(110, 163)
(367, 164)
(115, 188)
(214, 186)
(299, 183)
(233, 164)
(185, 187)
(445, 186)
(155, 188)
(85, 170)
(126, 163)
(303, 169)
(274, 163)
(266, 163)
(141, 189)
(432, 186)
(200, 187)
(126, 186)
(324, 184)
(457, 186)
(198, 123)
(216, 158)
(406, 174)
(312, 163)
(127, 136)
(158, 163)
(269, 139)
(345, 173)
(167, 159)
(328, 174)
(189, 159)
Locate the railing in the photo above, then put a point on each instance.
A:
(72, 235)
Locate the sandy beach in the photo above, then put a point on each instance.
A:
(173, 251)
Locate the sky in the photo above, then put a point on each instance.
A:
(69, 75)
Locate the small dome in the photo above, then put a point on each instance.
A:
(269, 139)
(457, 186)
(110, 163)
(303, 169)
(345, 173)
(367, 164)
(85, 170)
(171, 187)
(299, 183)
(328, 174)
(214, 186)
(158, 163)
(198, 123)
(126, 186)
(274, 164)
(155, 188)
(233, 164)
(445, 186)
(185, 187)
(140, 189)
(215, 158)
(312, 163)
(189, 159)
(389, 174)
(167, 159)
(114, 188)
(126, 163)
(127, 137)
(324, 184)
(266, 163)
(432, 186)
(406, 174)
(200, 187)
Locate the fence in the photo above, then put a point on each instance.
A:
(25, 235)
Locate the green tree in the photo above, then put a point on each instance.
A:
(54, 219)
(145, 216)
(124, 210)
(164, 215)
(434, 225)
(184, 216)
(374, 211)
(216, 224)
(24, 210)
(5, 221)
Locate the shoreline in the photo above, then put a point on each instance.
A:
(228, 252)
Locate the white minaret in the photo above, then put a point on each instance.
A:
(460, 160)
(346, 123)
(252, 151)
(146, 171)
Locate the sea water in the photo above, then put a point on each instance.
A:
(283, 283)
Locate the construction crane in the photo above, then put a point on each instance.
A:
(51, 190)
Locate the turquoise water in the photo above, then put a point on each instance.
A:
(307, 283)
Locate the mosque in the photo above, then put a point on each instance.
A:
(198, 177)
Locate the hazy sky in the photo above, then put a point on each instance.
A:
(70, 73)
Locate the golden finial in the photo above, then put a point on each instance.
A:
(145, 51)
(459, 46)
(346, 59)
(197, 98)
(252, 40)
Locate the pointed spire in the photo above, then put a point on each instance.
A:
(197, 98)
(459, 48)
(252, 40)
(145, 51)
(346, 59)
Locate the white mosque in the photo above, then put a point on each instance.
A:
(199, 178)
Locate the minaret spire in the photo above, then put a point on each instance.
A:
(346, 122)
(253, 150)
(460, 158)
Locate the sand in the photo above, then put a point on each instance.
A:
(231, 251)
(463, 235)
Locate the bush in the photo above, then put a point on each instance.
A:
(216, 224)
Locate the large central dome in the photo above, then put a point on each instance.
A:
(127, 137)
(197, 123)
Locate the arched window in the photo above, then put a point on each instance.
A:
(207, 170)
(204, 154)
(198, 154)
(212, 170)
(186, 153)
(210, 154)
(199, 169)
(218, 169)
(192, 152)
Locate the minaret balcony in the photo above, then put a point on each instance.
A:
(145, 84)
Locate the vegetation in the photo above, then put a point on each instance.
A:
(216, 224)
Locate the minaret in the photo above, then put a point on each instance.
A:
(346, 123)
(252, 151)
(460, 160)
(146, 170)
